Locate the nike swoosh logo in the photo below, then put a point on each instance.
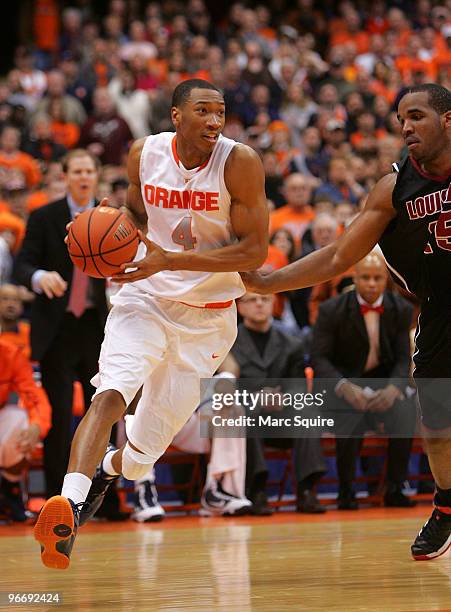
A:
(214, 356)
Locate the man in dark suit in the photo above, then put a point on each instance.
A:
(364, 334)
(69, 312)
(268, 356)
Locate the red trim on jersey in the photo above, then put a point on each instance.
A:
(432, 177)
(177, 158)
(211, 305)
(444, 509)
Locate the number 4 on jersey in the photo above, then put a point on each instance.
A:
(183, 235)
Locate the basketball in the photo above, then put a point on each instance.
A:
(100, 240)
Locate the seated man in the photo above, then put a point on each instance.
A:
(364, 334)
(263, 352)
(223, 493)
(21, 426)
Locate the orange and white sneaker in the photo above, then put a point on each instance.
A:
(55, 530)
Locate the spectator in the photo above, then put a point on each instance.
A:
(304, 302)
(341, 184)
(137, 44)
(361, 340)
(119, 193)
(41, 144)
(105, 134)
(20, 426)
(263, 353)
(12, 158)
(12, 231)
(56, 90)
(12, 328)
(224, 489)
(69, 311)
(132, 104)
(297, 213)
(63, 131)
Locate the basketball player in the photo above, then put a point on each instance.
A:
(200, 199)
(409, 214)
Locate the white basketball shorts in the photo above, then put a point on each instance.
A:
(166, 347)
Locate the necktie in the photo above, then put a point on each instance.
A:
(364, 308)
(371, 316)
(78, 293)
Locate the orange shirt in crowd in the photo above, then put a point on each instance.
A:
(46, 24)
(360, 39)
(296, 221)
(322, 292)
(275, 260)
(357, 137)
(36, 199)
(15, 224)
(19, 338)
(16, 376)
(407, 66)
(66, 134)
(25, 163)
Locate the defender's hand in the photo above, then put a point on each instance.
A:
(256, 282)
(155, 261)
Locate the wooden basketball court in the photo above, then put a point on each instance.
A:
(342, 561)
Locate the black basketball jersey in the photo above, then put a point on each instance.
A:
(417, 242)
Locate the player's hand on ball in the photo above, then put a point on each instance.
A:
(52, 284)
(155, 261)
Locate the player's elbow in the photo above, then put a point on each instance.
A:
(255, 257)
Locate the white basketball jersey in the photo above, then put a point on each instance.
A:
(187, 209)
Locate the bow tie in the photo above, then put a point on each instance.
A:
(364, 308)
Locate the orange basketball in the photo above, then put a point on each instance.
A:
(100, 240)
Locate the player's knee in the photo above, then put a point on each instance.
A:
(135, 465)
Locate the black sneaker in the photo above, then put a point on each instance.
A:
(260, 505)
(147, 509)
(11, 501)
(215, 501)
(100, 484)
(435, 537)
(397, 499)
(55, 530)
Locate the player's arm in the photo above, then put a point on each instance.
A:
(245, 180)
(134, 207)
(356, 242)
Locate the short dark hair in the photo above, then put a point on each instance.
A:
(183, 90)
(439, 97)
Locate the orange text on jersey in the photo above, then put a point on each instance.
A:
(187, 199)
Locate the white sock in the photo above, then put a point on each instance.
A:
(107, 464)
(76, 487)
(149, 476)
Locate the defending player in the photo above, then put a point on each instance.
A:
(409, 214)
(200, 198)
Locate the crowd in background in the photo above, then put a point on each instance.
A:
(312, 86)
